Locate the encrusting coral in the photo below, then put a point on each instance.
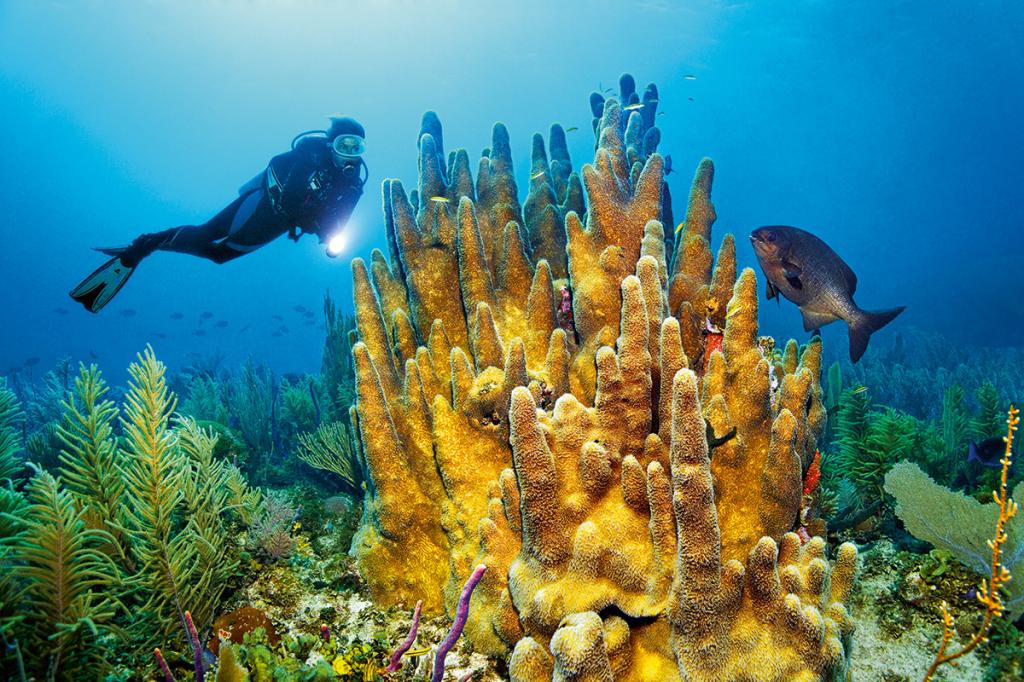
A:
(575, 461)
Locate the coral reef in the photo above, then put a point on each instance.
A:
(574, 460)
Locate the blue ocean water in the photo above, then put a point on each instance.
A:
(890, 129)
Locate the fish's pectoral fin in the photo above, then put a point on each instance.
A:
(791, 271)
(770, 290)
(815, 320)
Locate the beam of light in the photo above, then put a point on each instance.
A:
(337, 243)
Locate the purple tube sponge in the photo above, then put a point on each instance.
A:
(396, 657)
(197, 648)
(166, 669)
(461, 614)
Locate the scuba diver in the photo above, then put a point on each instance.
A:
(311, 189)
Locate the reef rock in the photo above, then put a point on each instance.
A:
(631, 486)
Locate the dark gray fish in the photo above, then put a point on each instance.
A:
(199, 332)
(277, 317)
(160, 335)
(205, 315)
(987, 453)
(309, 313)
(713, 440)
(221, 324)
(61, 311)
(668, 165)
(31, 362)
(92, 355)
(243, 329)
(177, 316)
(299, 308)
(809, 273)
(283, 329)
(127, 312)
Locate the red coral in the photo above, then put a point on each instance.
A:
(712, 342)
(813, 475)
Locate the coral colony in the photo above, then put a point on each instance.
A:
(574, 454)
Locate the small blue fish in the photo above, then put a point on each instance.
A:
(987, 453)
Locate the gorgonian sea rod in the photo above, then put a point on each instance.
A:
(632, 499)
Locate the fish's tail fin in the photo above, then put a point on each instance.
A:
(102, 285)
(972, 452)
(866, 324)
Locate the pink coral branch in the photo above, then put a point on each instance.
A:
(396, 657)
(197, 648)
(461, 614)
(168, 677)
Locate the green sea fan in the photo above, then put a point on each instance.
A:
(960, 524)
(68, 603)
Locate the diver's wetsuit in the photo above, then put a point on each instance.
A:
(302, 190)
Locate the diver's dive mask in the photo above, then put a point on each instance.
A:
(347, 148)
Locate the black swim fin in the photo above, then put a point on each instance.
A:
(101, 286)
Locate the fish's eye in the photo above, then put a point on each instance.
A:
(771, 236)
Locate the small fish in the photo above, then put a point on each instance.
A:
(808, 272)
(221, 324)
(988, 453)
(92, 355)
(633, 107)
(309, 313)
(283, 329)
(31, 362)
(299, 308)
(276, 335)
(160, 335)
(127, 312)
(199, 332)
(679, 227)
(440, 200)
(243, 329)
(690, 98)
(689, 77)
(668, 165)
(417, 652)
(205, 315)
(572, 129)
(277, 317)
(732, 311)
(661, 113)
(538, 174)
(177, 316)
(713, 440)
(859, 389)
(61, 311)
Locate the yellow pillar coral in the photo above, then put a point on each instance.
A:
(574, 462)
